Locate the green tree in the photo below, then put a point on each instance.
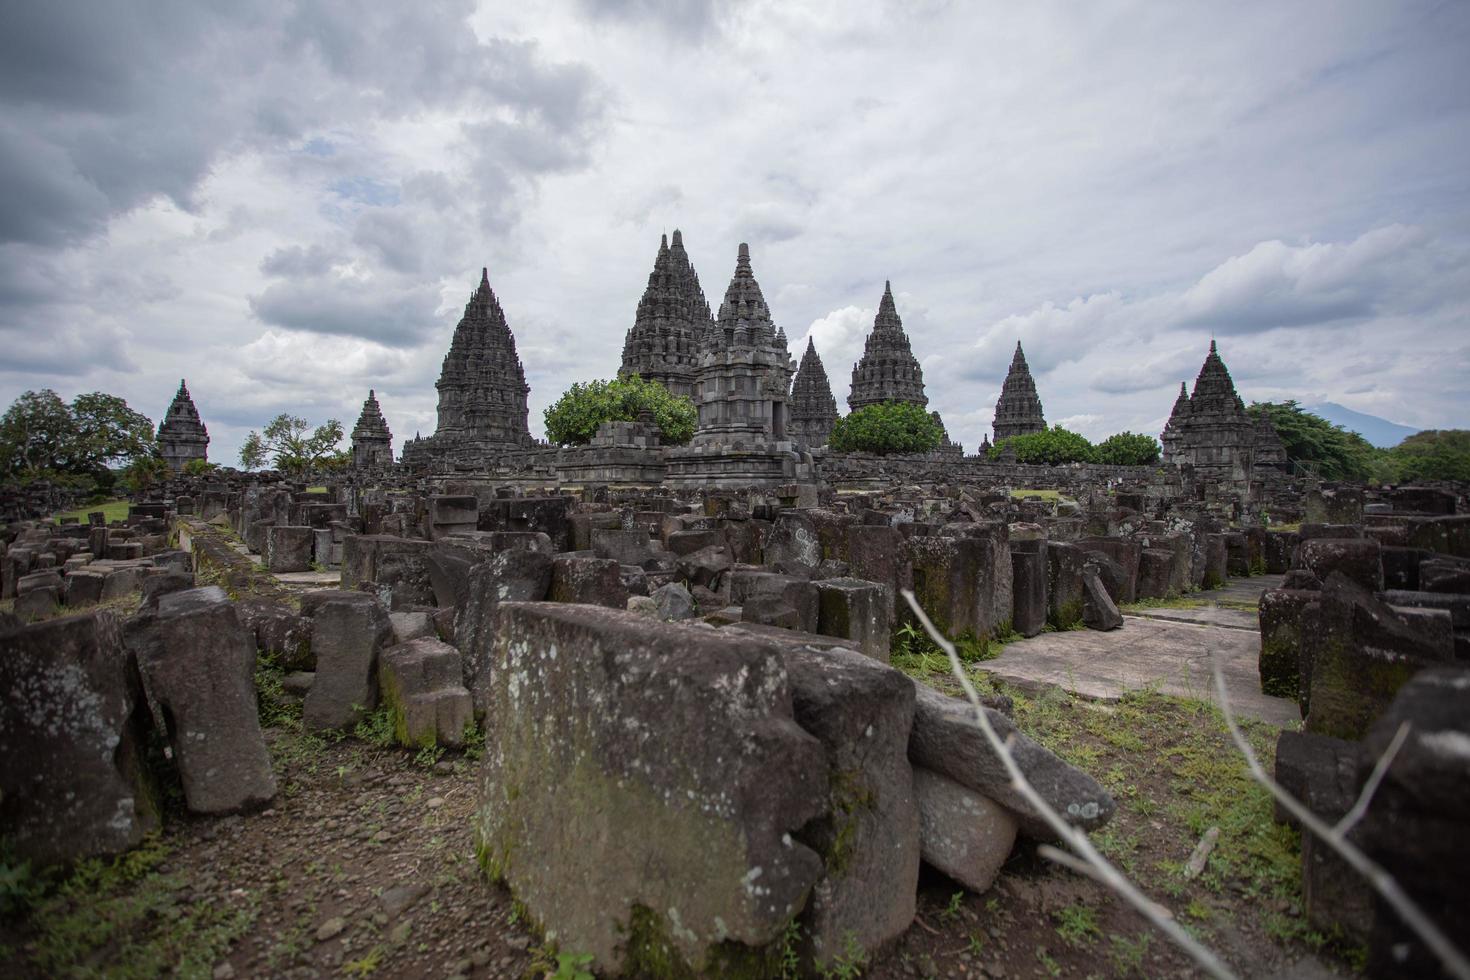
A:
(198, 467)
(1434, 454)
(1128, 449)
(286, 443)
(574, 419)
(889, 427)
(37, 434)
(1331, 451)
(108, 432)
(142, 472)
(1051, 447)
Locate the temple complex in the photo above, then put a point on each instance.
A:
(482, 388)
(182, 436)
(888, 370)
(1211, 437)
(1018, 410)
(372, 443)
(663, 343)
(813, 409)
(740, 389)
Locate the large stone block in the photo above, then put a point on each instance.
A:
(1217, 561)
(1127, 554)
(625, 547)
(198, 663)
(1098, 609)
(421, 683)
(855, 610)
(1357, 558)
(953, 582)
(1028, 592)
(1415, 827)
(591, 581)
(878, 554)
(946, 740)
(641, 786)
(510, 576)
(962, 833)
(793, 541)
(347, 634)
(1280, 615)
(279, 632)
(1155, 573)
(72, 727)
(1359, 653)
(289, 549)
(1065, 565)
(862, 714)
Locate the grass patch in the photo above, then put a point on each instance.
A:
(124, 918)
(112, 510)
(1037, 494)
(316, 490)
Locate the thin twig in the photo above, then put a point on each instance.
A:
(1451, 958)
(1350, 819)
(1098, 866)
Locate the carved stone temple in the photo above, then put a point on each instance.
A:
(740, 389)
(482, 389)
(372, 443)
(888, 370)
(813, 409)
(1210, 436)
(182, 436)
(663, 343)
(1018, 410)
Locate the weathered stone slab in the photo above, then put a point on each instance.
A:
(1065, 564)
(347, 633)
(592, 581)
(511, 576)
(421, 682)
(641, 784)
(855, 610)
(289, 549)
(1357, 558)
(962, 833)
(73, 717)
(1028, 592)
(198, 663)
(1281, 640)
(1098, 610)
(947, 740)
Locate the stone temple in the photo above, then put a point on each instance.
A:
(1018, 411)
(1210, 436)
(663, 343)
(372, 443)
(182, 436)
(741, 390)
(888, 370)
(813, 409)
(482, 388)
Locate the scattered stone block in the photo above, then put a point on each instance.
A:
(198, 663)
(855, 610)
(1098, 610)
(347, 634)
(671, 746)
(962, 833)
(510, 576)
(72, 718)
(590, 581)
(1357, 558)
(1029, 575)
(421, 682)
(1281, 617)
(673, 603)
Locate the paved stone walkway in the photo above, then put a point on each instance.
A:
(1165, 648)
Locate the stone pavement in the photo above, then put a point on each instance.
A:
(1164, 648)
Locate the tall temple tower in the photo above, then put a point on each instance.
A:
(741, 391)
(813, 409)
(372, 443)
(181, 435)
(1018, 410)
(1174, 428)
(482, 386)
(1216, 438)
(663, 343)
(888, 370)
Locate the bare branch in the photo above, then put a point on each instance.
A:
(1351, 818)
(1453, 960)
(1099, 867)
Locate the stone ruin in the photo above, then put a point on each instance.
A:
(372, 442)
(1018, 410)
(813, 409)
(663, 344)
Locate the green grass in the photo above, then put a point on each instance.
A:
(112, 510)
(316, 489)
(1043, 494)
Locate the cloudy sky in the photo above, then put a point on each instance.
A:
(289, 203)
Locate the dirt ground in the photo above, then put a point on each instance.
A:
(364, 866)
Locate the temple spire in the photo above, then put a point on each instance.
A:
(1018, 410)
(672, 316)
(888, 370)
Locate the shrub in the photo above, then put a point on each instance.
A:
(891, 427)
(1128, 449)
(1049, 448)
(1435, 454)
(574, 419)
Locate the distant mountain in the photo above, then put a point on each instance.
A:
(1379, 432)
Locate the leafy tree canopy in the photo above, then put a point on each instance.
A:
(1435, 454)
(41, 435)
(1052, 447)
(574, 419)
(1128, 449)
(287, 443)
(889, 427)
(1331, 451)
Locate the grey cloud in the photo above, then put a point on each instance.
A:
(396, 313)
(296, 262)
(694, 20)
